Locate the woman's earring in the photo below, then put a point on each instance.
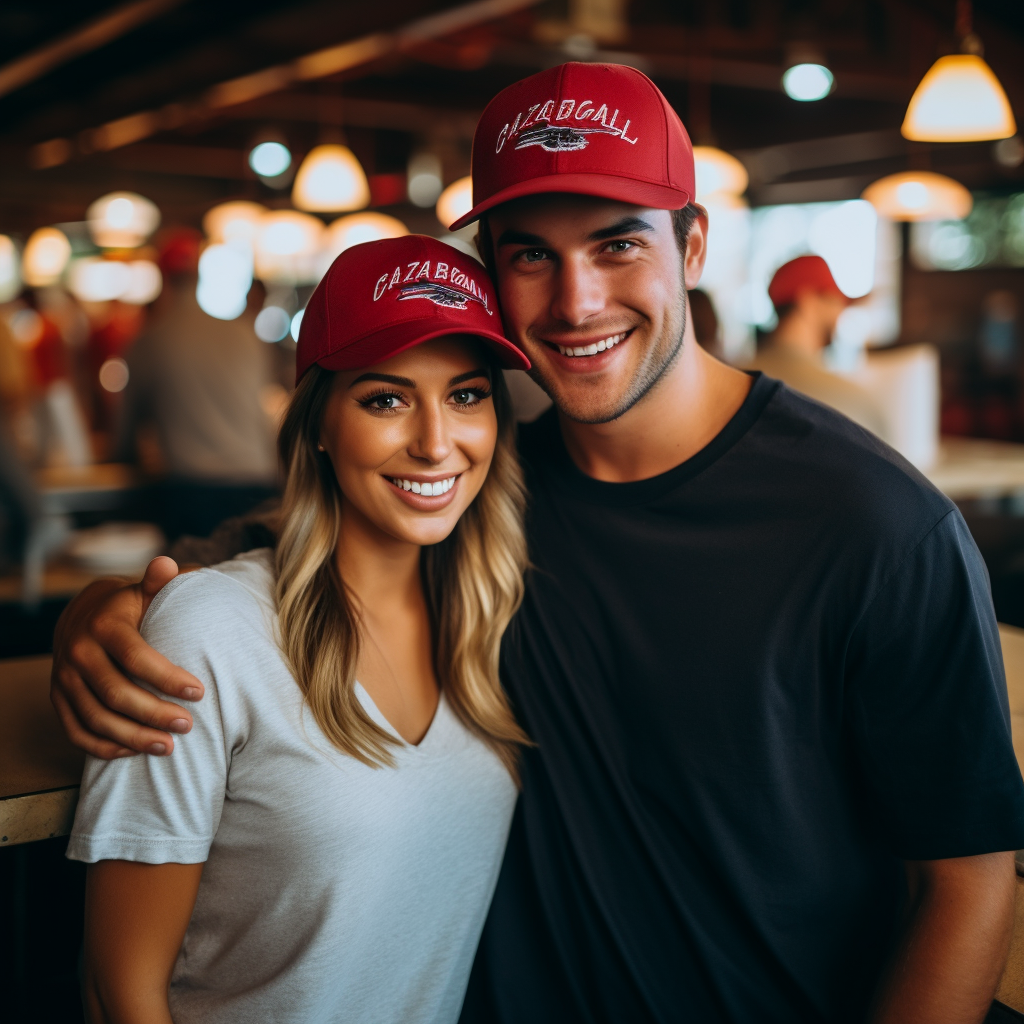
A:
(320, 448)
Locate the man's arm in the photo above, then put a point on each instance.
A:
(96, 646)
(135, 920)
(948, 963)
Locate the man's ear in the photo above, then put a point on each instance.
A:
(696, 249)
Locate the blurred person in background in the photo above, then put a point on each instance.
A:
(198, 380)
(808, 303)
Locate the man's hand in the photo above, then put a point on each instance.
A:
(953, 952)
(96, 646)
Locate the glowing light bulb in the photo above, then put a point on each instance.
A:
(237, 221)
(329, 179)
(225, 277)
(288, 246)
(10, 276)
(959, 100)
(122, 220)
(269, 159)
(455, 201)
(919, 196)
(807, 82)
(717, 173)
(46, 255)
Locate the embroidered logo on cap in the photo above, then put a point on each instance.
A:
(439, 294)
(419, 282)
(544, 131)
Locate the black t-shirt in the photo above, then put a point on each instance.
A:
(755, 683)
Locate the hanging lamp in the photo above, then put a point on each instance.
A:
(237, 221)
(46, 255)
(718, 175)
(918, 196)
(122, 220)
(330, 180)
(960, 99)
(455, 201)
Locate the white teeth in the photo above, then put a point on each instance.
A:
(591, 350)
(430, 490)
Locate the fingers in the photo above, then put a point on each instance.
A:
(122, 642)
(106, 750)
(160, 571)
(100, 731)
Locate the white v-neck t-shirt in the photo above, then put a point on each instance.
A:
(332, 892)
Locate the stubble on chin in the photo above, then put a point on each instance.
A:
(588, 405)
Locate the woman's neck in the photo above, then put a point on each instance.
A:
(379, 570)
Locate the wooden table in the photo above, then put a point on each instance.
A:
(39, 769)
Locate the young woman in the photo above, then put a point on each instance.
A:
(323, 845)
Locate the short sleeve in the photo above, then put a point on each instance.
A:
(160, 810)
(927, 707)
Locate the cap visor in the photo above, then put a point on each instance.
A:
(604, 186)
(391, 341)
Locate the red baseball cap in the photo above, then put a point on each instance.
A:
(594, 129)
(805, 273)
(381, 298)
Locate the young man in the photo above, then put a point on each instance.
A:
(773, 778)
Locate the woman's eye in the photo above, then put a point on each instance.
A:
(383, 402)
(465, 397)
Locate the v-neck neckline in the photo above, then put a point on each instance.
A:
(378, 716)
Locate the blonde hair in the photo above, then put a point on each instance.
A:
(473, 581)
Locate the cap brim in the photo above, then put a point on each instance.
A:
(391, 341)
(604, 186)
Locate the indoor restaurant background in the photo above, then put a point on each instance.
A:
(263, 138)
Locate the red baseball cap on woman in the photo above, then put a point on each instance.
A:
(381, 298)
(594, 129)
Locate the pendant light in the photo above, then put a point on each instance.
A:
(357, 228)
(122, 220)
(455, 201)
(237, 221)
(287, 247)
(918, 196)
(46, 255)
(959, 99)
(330, 180)
(719, 176)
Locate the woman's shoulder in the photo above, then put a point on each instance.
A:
(219, 601)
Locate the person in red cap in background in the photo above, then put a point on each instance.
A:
(321, 848)
(808, 303)
(197, 382)
(773, 778)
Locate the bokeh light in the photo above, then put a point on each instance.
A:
(225, 277)
(272, 324)
(807, 82)
(114, 375)
(46, 255)
(269, 159)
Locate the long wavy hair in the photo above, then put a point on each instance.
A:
(473, 581)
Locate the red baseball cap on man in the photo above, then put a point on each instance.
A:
(593, 129)
(805, 273)
(381, 298)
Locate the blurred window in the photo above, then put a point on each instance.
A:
(992, 235)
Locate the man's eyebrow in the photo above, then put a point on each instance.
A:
(384, 378)
(469, 376)
(511, 237)
(622, 227)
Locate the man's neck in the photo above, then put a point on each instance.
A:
(680, 415)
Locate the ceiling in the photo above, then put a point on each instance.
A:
(166, 97)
